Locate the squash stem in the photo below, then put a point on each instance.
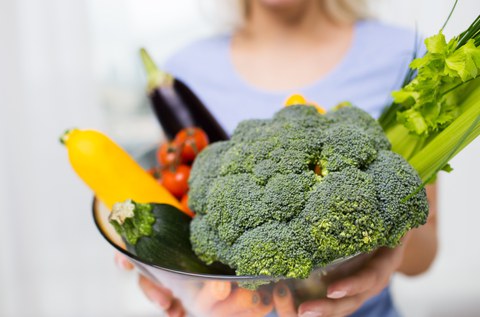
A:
(65, 135)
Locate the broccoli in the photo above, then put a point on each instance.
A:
(270, 244)
(342, 217)
(394, 179)
(207, 167)
(335, 156)
(349, 115)
(300, 190)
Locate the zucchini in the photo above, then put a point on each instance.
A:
(159, 234)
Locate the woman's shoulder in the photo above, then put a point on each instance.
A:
(384, 29)
(199, 56)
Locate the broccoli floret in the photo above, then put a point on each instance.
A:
(285, 194)
(238, 159)
(235, 203)
(206, 242)
(307, 114)
(396, 180)
(264, 170)
(248, 130)
(353, 116)
(206, 167)
(299, 191)
(342, 215)
(291, 161)
(346, 191)
(274, 250)
(335, 156)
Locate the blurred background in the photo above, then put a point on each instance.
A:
(74, 63)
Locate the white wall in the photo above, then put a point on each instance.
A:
(71, 63)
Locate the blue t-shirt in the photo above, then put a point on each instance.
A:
(375, 64)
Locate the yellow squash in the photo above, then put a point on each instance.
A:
(111, 172)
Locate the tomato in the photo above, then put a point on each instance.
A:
(295, 99)
(191, 141)
(175, 180)
(184, 203)
(168, 154)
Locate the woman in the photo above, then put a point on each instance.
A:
(325, 50)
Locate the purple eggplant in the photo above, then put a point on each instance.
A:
(176, 106)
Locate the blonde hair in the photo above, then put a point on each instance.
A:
(232, 13)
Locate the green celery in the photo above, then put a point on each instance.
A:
(433, 157)
(437, 112)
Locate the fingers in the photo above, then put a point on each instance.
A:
(266, 304)
(283, 301)
(265, 307)
(211, 293)
(175, 309)
(331, 307)
(348, 294)
(358, 283)
(122, 262)
(372, 278)
(240, 300)
(158, 295)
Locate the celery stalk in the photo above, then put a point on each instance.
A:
(463, 130)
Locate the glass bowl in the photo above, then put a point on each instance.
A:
(218, 295)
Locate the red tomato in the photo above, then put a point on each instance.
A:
(176, 180)
(168, 154)
(191, 141)
(184, 203)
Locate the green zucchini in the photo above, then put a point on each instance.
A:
(159, 234)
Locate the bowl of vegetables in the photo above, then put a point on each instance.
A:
(286, 206)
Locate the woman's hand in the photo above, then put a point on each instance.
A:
(214, 299)
(346, 295)
(160, 296)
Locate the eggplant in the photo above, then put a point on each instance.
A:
(176, 106)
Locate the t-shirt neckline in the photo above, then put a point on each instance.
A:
(316, 84)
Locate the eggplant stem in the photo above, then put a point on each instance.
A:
(155, 77)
